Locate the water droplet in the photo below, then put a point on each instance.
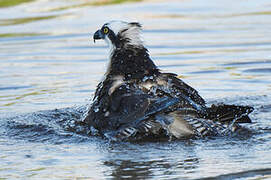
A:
(145, 78)
(96, 109)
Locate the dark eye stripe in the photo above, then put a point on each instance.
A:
(111, 35)
(123, 31)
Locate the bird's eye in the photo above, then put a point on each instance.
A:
(106, 30)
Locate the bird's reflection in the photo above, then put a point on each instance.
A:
(139, 163)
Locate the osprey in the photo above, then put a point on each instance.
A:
(136, 100)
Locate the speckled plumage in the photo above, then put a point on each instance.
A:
(135, 100)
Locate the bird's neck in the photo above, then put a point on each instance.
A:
(131, 63)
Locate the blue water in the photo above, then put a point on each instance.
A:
(49, 69)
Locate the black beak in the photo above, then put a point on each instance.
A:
(98, 35)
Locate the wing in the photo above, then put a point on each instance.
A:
(183, 88)
(229, 113)
(124, 108)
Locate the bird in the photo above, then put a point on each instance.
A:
(137, 101)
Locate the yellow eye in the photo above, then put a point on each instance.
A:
(106, 30)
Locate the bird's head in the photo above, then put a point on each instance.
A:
(120, 34)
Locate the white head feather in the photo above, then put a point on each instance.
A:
(132, 32)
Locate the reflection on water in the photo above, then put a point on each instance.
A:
(18, 34)
(8, 22)
(145, 169)
(92, 3)
(48, 62)
(148, 168)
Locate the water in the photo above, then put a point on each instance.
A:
(49, 69)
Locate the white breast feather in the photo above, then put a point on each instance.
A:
(118, 81)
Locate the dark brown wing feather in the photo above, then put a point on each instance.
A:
(125, 107)
(227, 113)
(184, 88)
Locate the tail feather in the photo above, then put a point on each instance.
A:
(229, 113)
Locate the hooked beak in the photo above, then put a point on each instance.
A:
(98, 35)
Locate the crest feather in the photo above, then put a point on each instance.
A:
(131, 32)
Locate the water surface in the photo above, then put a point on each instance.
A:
(49, 69)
